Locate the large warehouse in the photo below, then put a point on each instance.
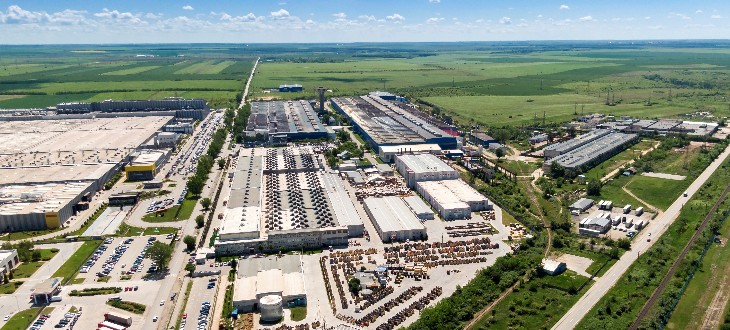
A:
(393, 219)
(385, 122)
(388, 153)
(558, 149)
(280, 197)
(453, 199)
(280, 121)
(196, 109)
(592, 153)
(423, 167)
(258, 278)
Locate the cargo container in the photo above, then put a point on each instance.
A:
(609, 205)
(639, 211)
(627, 209)
(639, 224)
(600, 205)
(616, 220)
(110, 325)
(118, 319)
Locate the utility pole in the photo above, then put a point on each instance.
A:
(541, 84)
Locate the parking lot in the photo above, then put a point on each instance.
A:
(200, 294)
(125, 262)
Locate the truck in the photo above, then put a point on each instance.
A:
(627, 209)
(118, 319)
(110, 325)
(55, 299)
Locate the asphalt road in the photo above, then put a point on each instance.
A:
(591, 297)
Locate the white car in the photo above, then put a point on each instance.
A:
(7, 317)
(154, 319)
(162, 302)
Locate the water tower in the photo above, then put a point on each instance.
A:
(320, 91)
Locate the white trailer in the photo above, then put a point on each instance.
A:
(640, 211)
(609, 205)
(600, 205)
(627, 209)
(617, 220)
(639, 224)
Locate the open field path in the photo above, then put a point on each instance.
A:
(659, 212)
(609, 279)
(248, 83)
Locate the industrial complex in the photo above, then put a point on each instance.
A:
(587, 150)
(280, 121)
(386, 122)
(183, 108)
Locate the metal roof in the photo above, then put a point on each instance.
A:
(424, 163)
(392, 214)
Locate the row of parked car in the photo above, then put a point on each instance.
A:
(39, 322)
(97, 254)
(160, 205)
(69, 319)
(112, 260)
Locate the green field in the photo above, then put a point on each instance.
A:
(657, 191)
(73, 264)
(21, 320)
(183, 212)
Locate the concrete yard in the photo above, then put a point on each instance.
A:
(576, 263)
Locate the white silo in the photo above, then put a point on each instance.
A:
(272, 308)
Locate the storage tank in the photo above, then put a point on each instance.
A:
(272, 308)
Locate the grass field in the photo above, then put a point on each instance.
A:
(10, 288)
(21, 320)
(21, 235)
(657, 191)
(184, 212)
(72, 265)
(159, 231)
(619, 160)
(27, 269)
(611, 191)
(298, 313)
(136, 70)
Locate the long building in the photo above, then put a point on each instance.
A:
(558, 149)
(385, 122)
(393, 219)
(423, 167)
(592, 153)
(453, 199)
(263, 277)
(280, 121)
(185, 108)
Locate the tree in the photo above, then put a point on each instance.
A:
(624, 243)
(160, 253)
(195, 185)
(190, 242)
(499, 152)
(234, 264)
(221, 163)
(205, 202)
(593, 188)
(354, 285)
(200, 220)
(190, 267)
(11, 276)
(343, 136)
(261, 247)
(37, 255)
(5, 279)
(556, 170)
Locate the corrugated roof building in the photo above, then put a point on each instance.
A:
(393, 220)
(453, 199)
(423, 167)
(419, 208)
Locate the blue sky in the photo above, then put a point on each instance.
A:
(246, 21)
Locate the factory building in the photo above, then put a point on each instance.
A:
(419, 208)
(8, 260)
(662, 126)
(146, 164)
(592, 153)
(384, 122)
(258, 279)
(281, 121)
(481, 139)
(594, 227)
(453, 199)
(182, 128)
(423, 167)
(166, 139)
(40, 207)
(196, 109)
(558, 149)
(295, 88)
(388, 153)
(393, 220)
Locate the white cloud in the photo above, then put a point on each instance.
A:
(715, 16)
(479, 20)
(118, 17)
(657, 27)
(368, 18)
(281, 14)
(697, 26)
(564, 7)
(246, 18)
(395, 17)
(505, 20)
(153, 16)
(282, 3)
(698, 11)
(510, 8)
(434, 1)
(647, 17)
(309, 21)
(188, 7)
(434, 20)
(539, 16)
(340, 15)
(586, 18)
(521, 25)
(456, 19)
(616, 19)
(686, 17)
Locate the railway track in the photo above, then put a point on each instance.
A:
(658, 291)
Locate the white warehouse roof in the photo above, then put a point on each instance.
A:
(424, 163)
(392, 214)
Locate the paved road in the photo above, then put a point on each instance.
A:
(640, 245)
(245, 92)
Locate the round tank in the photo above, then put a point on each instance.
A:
(272, 308)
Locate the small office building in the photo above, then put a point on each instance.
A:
(8, 260)
(44, 291)
(146, 164)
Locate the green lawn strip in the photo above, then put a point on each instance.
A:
(95, 291)
(657, 191)
(627, 297)
(9, 288)
(186, 209)
(359, 138)
(73, 309)
(365, 162)
(183, 212)
(184, 303)
(701, 290)
(27, 269)
(298, 313)
(21, 235)
(128, 306)
(619, 160)
(519, 167)
(126, 230)
(47, 254)
(534, 306)
(77, 281)
(380, 161)
(73, 264)
(159, 231)
(508, 218)
(104, 279)
(22, 319)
